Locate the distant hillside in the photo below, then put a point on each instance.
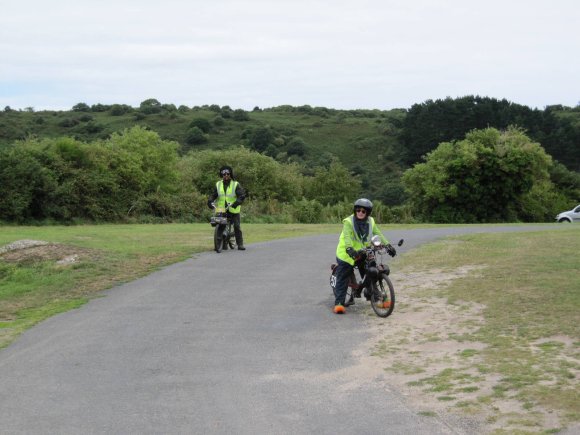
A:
(376, 145)
(365, 141)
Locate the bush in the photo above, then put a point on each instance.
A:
(170, 207)
(307, 211)
(195, 136)
(240, 115)
(120, 109)
(203, 124)
(479, 179)
(81, 107)
(262, 177)
(332, 185)
(150, 106)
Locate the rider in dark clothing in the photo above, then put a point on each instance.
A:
(229, 191)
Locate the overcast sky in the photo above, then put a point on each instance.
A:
(354, 54)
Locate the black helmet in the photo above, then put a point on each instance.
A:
(364, 203)
(228, 169)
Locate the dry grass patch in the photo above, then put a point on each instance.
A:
(477, 340)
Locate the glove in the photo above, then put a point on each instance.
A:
(390, 250)
(361, 255)
(234, 204)
(210, 203)
(352, 253)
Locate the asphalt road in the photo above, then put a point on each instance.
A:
(237, 342)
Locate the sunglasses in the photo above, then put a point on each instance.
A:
(361, 210)
(224, 173)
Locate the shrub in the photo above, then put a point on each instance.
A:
(195, 136)
(203, 124)
(307, 211)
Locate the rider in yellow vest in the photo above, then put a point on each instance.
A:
(357, 232)
(229, 192)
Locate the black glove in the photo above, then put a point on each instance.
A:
(362, 254)
(234, 204)
(352, 253)
(210, 203)
(390, 250)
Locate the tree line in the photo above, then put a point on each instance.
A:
(136, 176)
(118, 163)
(428, 124)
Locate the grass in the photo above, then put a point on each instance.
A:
(530, 287)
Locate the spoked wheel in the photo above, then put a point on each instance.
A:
(231, 241)
(218, 238)
(383, 296)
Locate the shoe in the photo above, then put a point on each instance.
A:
(339, 309)
(385, 304)
(241, 248)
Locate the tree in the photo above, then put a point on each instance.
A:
(259, 138)
(201, 123)
(262, 177)
(23, 182)
(332, 185)
(120, 109)
(297, 147)
(432, 122)
(150, 106)
(196, 136)
(81, 107)
(482, 178)
(240, 115)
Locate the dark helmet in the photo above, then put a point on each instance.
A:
(364, 203)
(226, 168)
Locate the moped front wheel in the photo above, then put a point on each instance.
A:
(218, 238)
(383, 296)
(230, 241)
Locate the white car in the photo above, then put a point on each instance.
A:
(569, 216)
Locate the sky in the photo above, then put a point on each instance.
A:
(363, 54)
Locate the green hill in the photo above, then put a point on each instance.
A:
(365, 141)
(375, 145)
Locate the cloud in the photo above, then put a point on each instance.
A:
(342, 54)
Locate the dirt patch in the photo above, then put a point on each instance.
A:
(33, 251)
(425, 355)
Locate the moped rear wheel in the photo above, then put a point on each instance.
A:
(218, 238)
(383, 296)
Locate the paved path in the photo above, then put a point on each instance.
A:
(195, 349)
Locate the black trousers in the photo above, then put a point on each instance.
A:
(237, 229)
(343, 272)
